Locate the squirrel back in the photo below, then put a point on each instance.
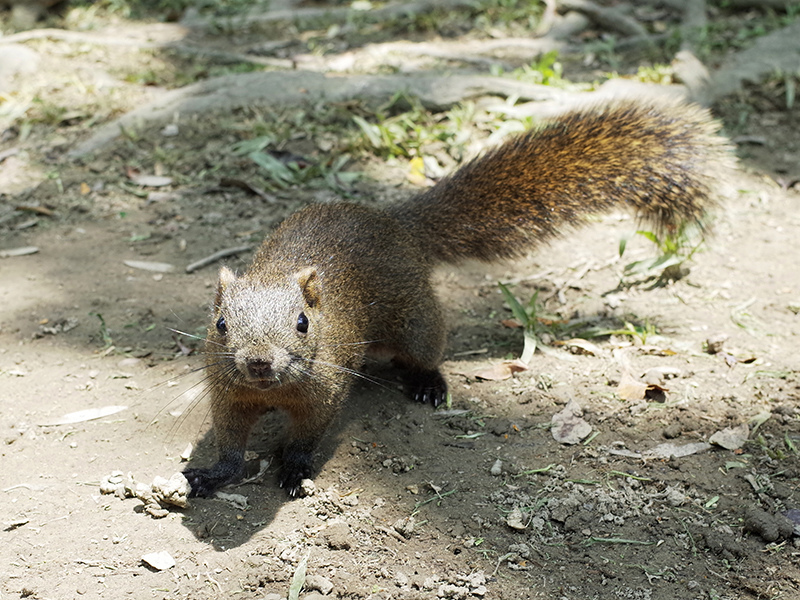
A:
(336, 280)
(662, 160)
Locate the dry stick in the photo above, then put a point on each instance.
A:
(548, 17)
(608, 18)
(473, 51)
(687, 67)
(693, 24)
(203, 262)
(280, 88)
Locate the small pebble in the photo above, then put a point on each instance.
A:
(405, 526)
(338, 536)
(161, 561)
(715, 343)
(672, 431)
(308, 487)
(319, 583)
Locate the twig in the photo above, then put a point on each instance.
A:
(204, 262)
(247, 187)
(8, 153)
(694, 23)
(229, 92)
(390, 532)
(548, 17)
(608, 18)
(23, 251)
(501, 560)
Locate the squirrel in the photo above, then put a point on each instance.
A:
(337, 281)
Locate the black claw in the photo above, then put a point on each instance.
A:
(200, 482)
(428, 387)
(204, 482)
(296, 467)
(291, 482)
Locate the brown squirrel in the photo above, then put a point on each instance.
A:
(336, 281)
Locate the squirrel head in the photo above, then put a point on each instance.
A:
(265, 335)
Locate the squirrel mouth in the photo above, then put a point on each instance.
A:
(263, 384)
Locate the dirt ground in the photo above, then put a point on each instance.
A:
(474, 501)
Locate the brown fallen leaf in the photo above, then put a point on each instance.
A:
(580, 346)
(499, 371)
(511, 323)
(655, 351)
(39, 210)
(630, 388)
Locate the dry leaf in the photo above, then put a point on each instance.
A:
(146, 265)
(655, 351)
(21, 251)
(511, 323)
(731, 438)
(669, 450)
(87, 415)
(580, 346)
(515, 519)
(416, 171)
(160, 561)
(151, 180)
(499, 371)
(630, 388)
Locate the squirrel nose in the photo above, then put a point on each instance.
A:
(260, 369)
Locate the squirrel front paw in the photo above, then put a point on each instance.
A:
(204, 482)
(296, 468)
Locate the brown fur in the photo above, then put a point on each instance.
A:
(361, 276)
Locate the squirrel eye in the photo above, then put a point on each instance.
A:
(302, 323)
(222, 326)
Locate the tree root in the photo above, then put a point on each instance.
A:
(230, 92)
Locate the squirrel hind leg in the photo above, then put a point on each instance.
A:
(418, 351)
(427, 387)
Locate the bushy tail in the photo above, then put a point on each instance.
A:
(661, 160)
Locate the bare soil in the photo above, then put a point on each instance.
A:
(409, 502)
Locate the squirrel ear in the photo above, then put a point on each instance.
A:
(226, 277)
(309, 283)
